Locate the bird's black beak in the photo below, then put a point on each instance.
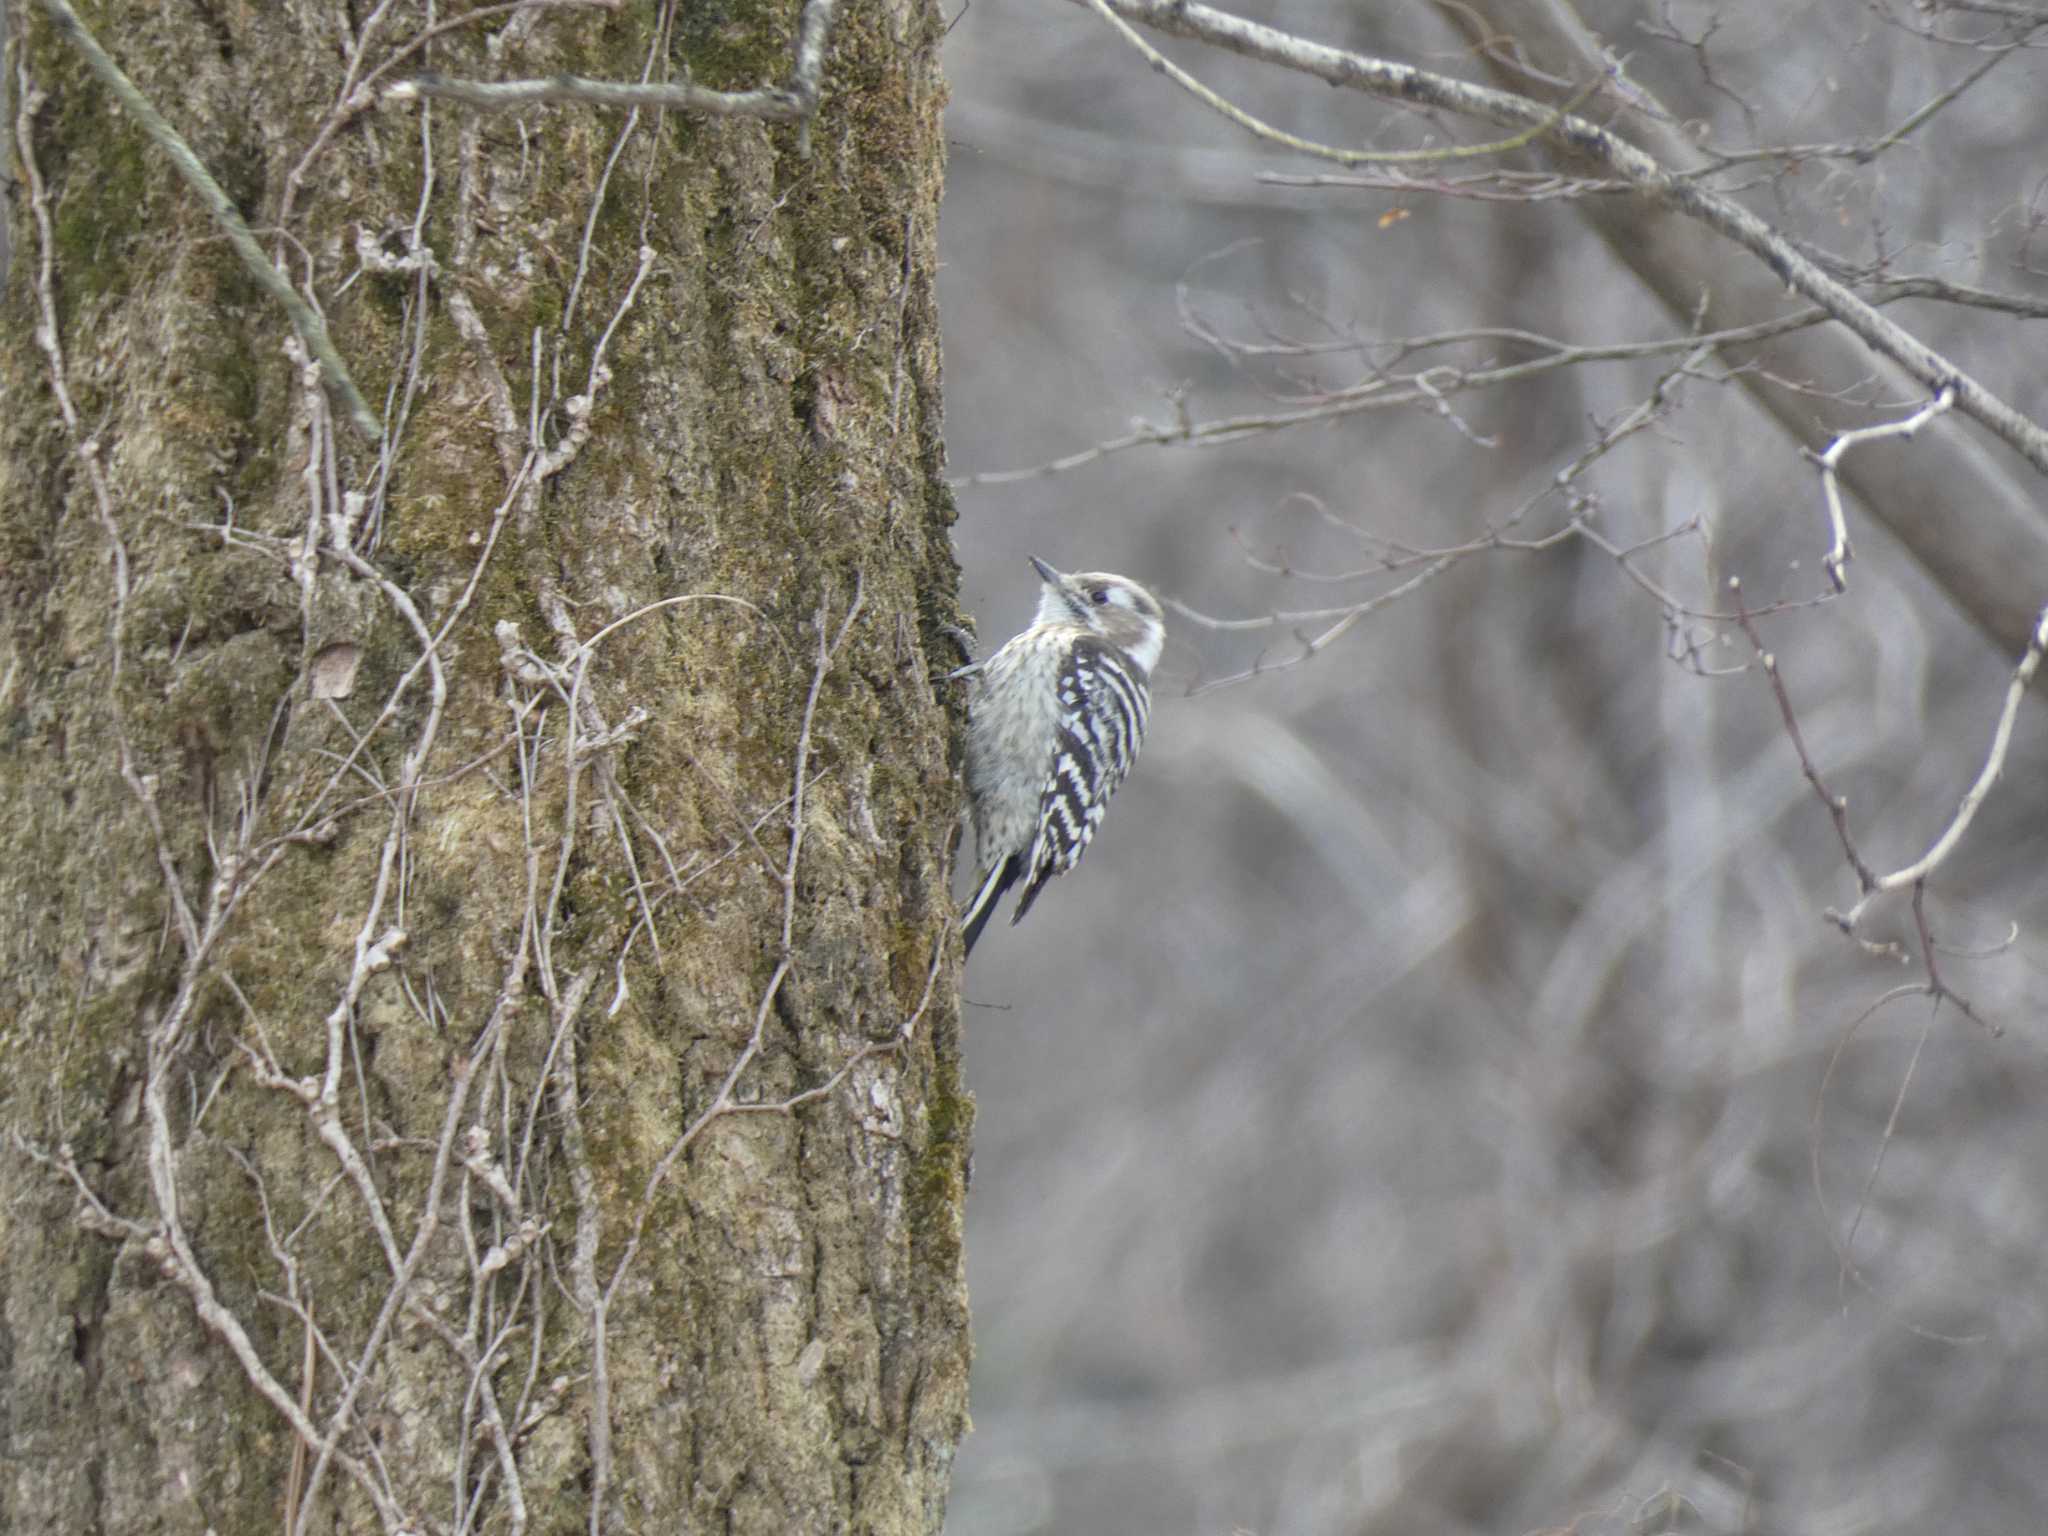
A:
(1046, 573)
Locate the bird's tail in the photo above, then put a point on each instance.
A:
(998, 880)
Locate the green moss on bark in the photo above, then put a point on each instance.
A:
(789, 1351)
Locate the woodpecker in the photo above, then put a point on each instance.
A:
(1053, 728)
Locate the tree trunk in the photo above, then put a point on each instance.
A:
(479, 1007)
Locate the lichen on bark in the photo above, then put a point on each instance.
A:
(491, 970)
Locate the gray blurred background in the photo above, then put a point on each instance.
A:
(1410, 1118)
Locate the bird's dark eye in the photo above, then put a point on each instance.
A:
(1100, 594)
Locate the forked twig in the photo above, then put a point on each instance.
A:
(1836, 561)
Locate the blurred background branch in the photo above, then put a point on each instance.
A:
(1455, 1112)
(1970, 518)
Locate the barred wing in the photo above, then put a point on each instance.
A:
(1105, 705)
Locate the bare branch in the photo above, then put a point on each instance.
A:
(774, 103)
(1915, 875)
(2033, 14)
(1385, 390)
(795, 100)
(1311, 645)
(1941, 290)
(1956, 503)
(1491, 186)
(1264, 130)
(1863, 152)
(1586, 141)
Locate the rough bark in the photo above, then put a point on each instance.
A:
(446, 1087)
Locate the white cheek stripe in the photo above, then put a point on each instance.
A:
(1146, 653)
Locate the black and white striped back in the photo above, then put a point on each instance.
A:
(1105, 703)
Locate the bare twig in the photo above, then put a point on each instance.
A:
(1489, 186)
(1389, 391)
(1587, 141)
(597, 1303)
(1886, 290)
(1310, 645)
(1847, 1271)
(2034, 14)
(1937, 987)
(49, 336)
(1259, 128)
(826, 655)
(1838, 805)
(168, 1243)
(1864, 151)
(1835, 562)
(312, 330)
(1915, 875)
(795, 100)
(355, 96)
(1339, 620)
(905, 1032)
(1973, 801)
(430, 1217)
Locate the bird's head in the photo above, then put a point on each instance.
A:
(1113, 607)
